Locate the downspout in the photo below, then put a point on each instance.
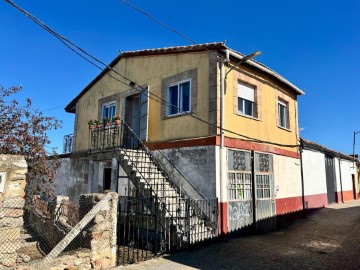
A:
(223, 181)
(222, 96)
(302, 178)
(341, 188)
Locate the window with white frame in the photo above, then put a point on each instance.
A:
(108, 110)
(283, 114)
(246, 99)
(178, 98)
(239, 177)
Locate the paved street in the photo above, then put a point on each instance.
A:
(327, 239)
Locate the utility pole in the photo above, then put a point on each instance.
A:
(355, 132)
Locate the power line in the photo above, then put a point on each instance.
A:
(159, 22)
(131, 83)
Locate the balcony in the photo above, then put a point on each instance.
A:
(104, 138)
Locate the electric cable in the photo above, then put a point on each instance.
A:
(131, 83)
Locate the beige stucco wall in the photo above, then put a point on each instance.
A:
(265, 126)
(150, 70)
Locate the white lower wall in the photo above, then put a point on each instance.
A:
(346, 175)
(314, 172)
(287, 175)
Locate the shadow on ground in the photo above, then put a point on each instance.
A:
(325, 239)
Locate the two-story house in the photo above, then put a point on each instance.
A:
(223, 129)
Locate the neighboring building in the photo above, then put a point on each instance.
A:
(258, 112)
(329, 176)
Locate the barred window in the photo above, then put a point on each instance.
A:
(240, 181)
(239, 186)
(263, 188)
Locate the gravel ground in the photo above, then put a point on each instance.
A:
(327, 239)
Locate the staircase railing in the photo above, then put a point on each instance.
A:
(122, 136)
(156, 181)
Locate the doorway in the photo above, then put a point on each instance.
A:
(107, 179)
(354, 186)
(330, 179)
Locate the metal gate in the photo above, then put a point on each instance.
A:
(240, 209)
(246, 171)
(145, 230)
(330, 178)
(265, 207)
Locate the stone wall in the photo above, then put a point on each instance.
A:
(98, 237)
(49, 222)
(102, 230)
(13, 171)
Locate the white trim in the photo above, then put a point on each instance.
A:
(267, 70)
(107, 104)
(286, 107)
(180, 97)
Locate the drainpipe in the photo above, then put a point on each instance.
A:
(341, 188)
(302, 178)
(223, 197)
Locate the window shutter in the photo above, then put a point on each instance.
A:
(246, 92)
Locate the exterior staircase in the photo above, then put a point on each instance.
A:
(184, 220)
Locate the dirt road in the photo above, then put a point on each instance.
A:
(327, 239)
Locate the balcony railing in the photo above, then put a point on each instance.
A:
(113, 136)
(68, 143)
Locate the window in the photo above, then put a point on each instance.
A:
(178, 98)
(239, 186)
(246, 100)
(263, 186)
(283, 111)
(108, 110)
(239, 168)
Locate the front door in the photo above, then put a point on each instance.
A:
(240, 209)
(136, 116)
(265, 207)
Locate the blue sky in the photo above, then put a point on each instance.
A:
(313, 44)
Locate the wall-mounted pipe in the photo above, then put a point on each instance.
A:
(340, 178)
(223, 178)
(302, 178)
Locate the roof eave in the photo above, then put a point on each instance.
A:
(71, 107)
(267, 71)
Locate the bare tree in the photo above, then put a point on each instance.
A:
(23, 132)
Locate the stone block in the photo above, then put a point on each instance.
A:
(99, 218)
(24, 257)
(9, 234)
(21, 163)
(9, 260)
(14, 213)
(18, 173)
(11, 222)
(14, 202)
(9, 246)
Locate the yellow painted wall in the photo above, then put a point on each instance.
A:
(150, 70)
(265, 126)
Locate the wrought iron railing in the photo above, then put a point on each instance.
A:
(139, 236)
(152, 180)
